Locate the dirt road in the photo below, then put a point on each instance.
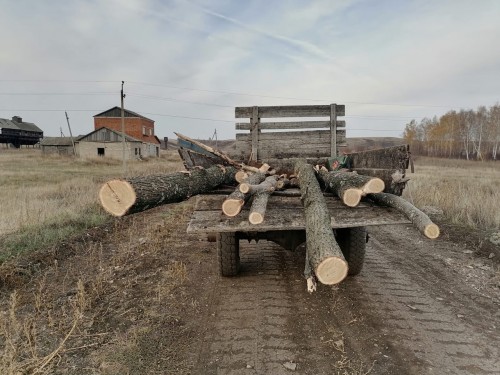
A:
(155, 304)
(409, 312)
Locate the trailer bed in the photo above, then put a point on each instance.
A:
(286, 213)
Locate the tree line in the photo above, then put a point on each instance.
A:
(467, 134)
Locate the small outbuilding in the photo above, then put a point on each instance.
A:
(107, 142)
(57, 145)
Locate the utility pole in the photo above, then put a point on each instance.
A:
(70, 134)
(122, 96)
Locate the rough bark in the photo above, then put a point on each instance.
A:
(126, 196)
(396, 157)
(421, 221)
(259, 204)
(324, 254)
(236, 200)
(350, 186)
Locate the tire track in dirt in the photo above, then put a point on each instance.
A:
(249, 315)
(392, 292)
(264, 318)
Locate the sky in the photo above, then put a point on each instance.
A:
(187, 63)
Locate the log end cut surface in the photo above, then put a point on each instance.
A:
(232, 207)
(117, 196)
(375, 185)
(352, 197)
(332, 270)
(431, 231)
(256, 218)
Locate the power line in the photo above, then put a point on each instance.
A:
(57, 81)
(188, 117)
(52, 110)
(178, 100)
(283, 97)
(219, 92)
(382, 118)
(55, 93)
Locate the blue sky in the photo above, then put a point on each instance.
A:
(388, 61)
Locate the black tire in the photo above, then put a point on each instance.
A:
(352, 242)
(228, 253)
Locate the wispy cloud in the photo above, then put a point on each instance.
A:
(353, 51)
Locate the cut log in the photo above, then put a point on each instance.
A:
(421, 221)
(323, 252)
(350, 186)
(245, 185)
(126, 196)
(236, 200)
(241, 176)
(259, 204)
(394, 179)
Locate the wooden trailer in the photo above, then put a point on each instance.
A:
(272, 134)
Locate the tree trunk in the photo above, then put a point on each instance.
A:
(423, 223)
(126, 196)
(323, 252)
(350, 186)
(259, 204)
(236, 200)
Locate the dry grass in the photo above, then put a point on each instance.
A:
(92, 313)
(46, 198)
(467, 191)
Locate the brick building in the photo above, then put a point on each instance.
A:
(136, 126)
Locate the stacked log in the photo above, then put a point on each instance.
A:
(235, 201)
(261, 196)
(126, 196)
(324, 256)
(421, 221)
(350, 186)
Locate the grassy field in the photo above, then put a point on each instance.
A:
(467, 192)
(47, 198)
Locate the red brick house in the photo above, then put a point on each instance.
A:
(136, 125)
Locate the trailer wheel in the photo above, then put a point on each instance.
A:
(352, 242)
(228, 253)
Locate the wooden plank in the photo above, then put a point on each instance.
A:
(241, 151)
(333, 130)
(289, 125)
(191, 146)
(254, 123)
(192, 159)
(308, 136)
(215, 221)
(279, 145)
(186, 158)
(388, 158)
(214, 202)
(289, 111)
